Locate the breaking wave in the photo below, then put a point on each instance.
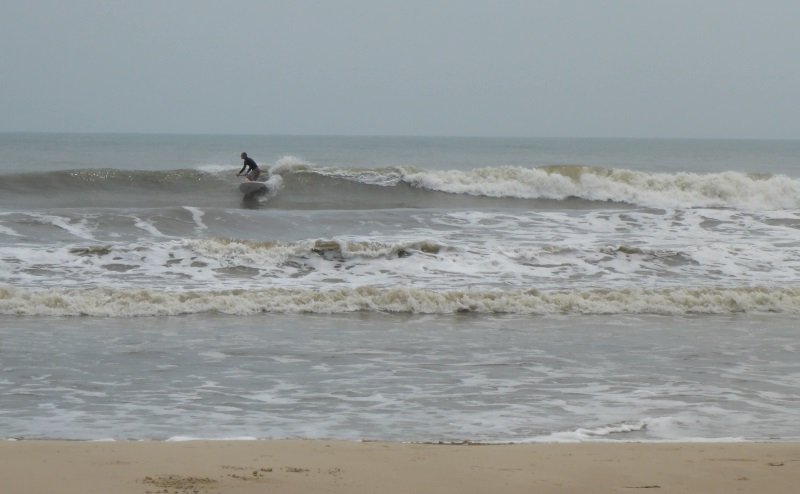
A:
(306, 185)
(107, 302)
(660, 190)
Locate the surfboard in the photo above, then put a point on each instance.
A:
(252, 189)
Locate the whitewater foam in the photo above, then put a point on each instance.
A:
(657, 429)
(105, 302)
(659, 190)
(197, 217)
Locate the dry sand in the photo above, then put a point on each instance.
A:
(228, 467)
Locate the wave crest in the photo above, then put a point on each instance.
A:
(559, 182)
(659, 190)
(299, 184)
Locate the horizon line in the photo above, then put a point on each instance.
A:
(399, 136)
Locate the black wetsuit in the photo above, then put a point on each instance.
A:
(250, 164)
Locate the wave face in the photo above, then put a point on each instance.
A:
(301, 185)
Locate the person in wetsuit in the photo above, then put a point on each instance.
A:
(253, 171)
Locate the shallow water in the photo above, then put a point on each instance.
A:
(405, 378)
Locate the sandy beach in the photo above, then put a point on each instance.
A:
(307, 466)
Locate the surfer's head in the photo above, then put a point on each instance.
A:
(243, 155)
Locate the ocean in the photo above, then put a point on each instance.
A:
(399, 288)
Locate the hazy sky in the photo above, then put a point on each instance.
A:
(622, 68)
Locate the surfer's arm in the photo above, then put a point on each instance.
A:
(243, 167)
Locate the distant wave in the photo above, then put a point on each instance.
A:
(106, 187)
(308, 186)
(106, 302)
(106, 177)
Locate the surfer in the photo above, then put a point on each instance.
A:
(253, 170)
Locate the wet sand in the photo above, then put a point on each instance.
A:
(309, 466)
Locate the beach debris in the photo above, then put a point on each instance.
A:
(179, 483)
(255, 473)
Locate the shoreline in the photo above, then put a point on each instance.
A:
(309, 465)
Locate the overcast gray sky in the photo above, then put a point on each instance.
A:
(604, 68)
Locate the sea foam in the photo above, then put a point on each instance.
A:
(728, 189)
(106, 302)
(660, 190)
